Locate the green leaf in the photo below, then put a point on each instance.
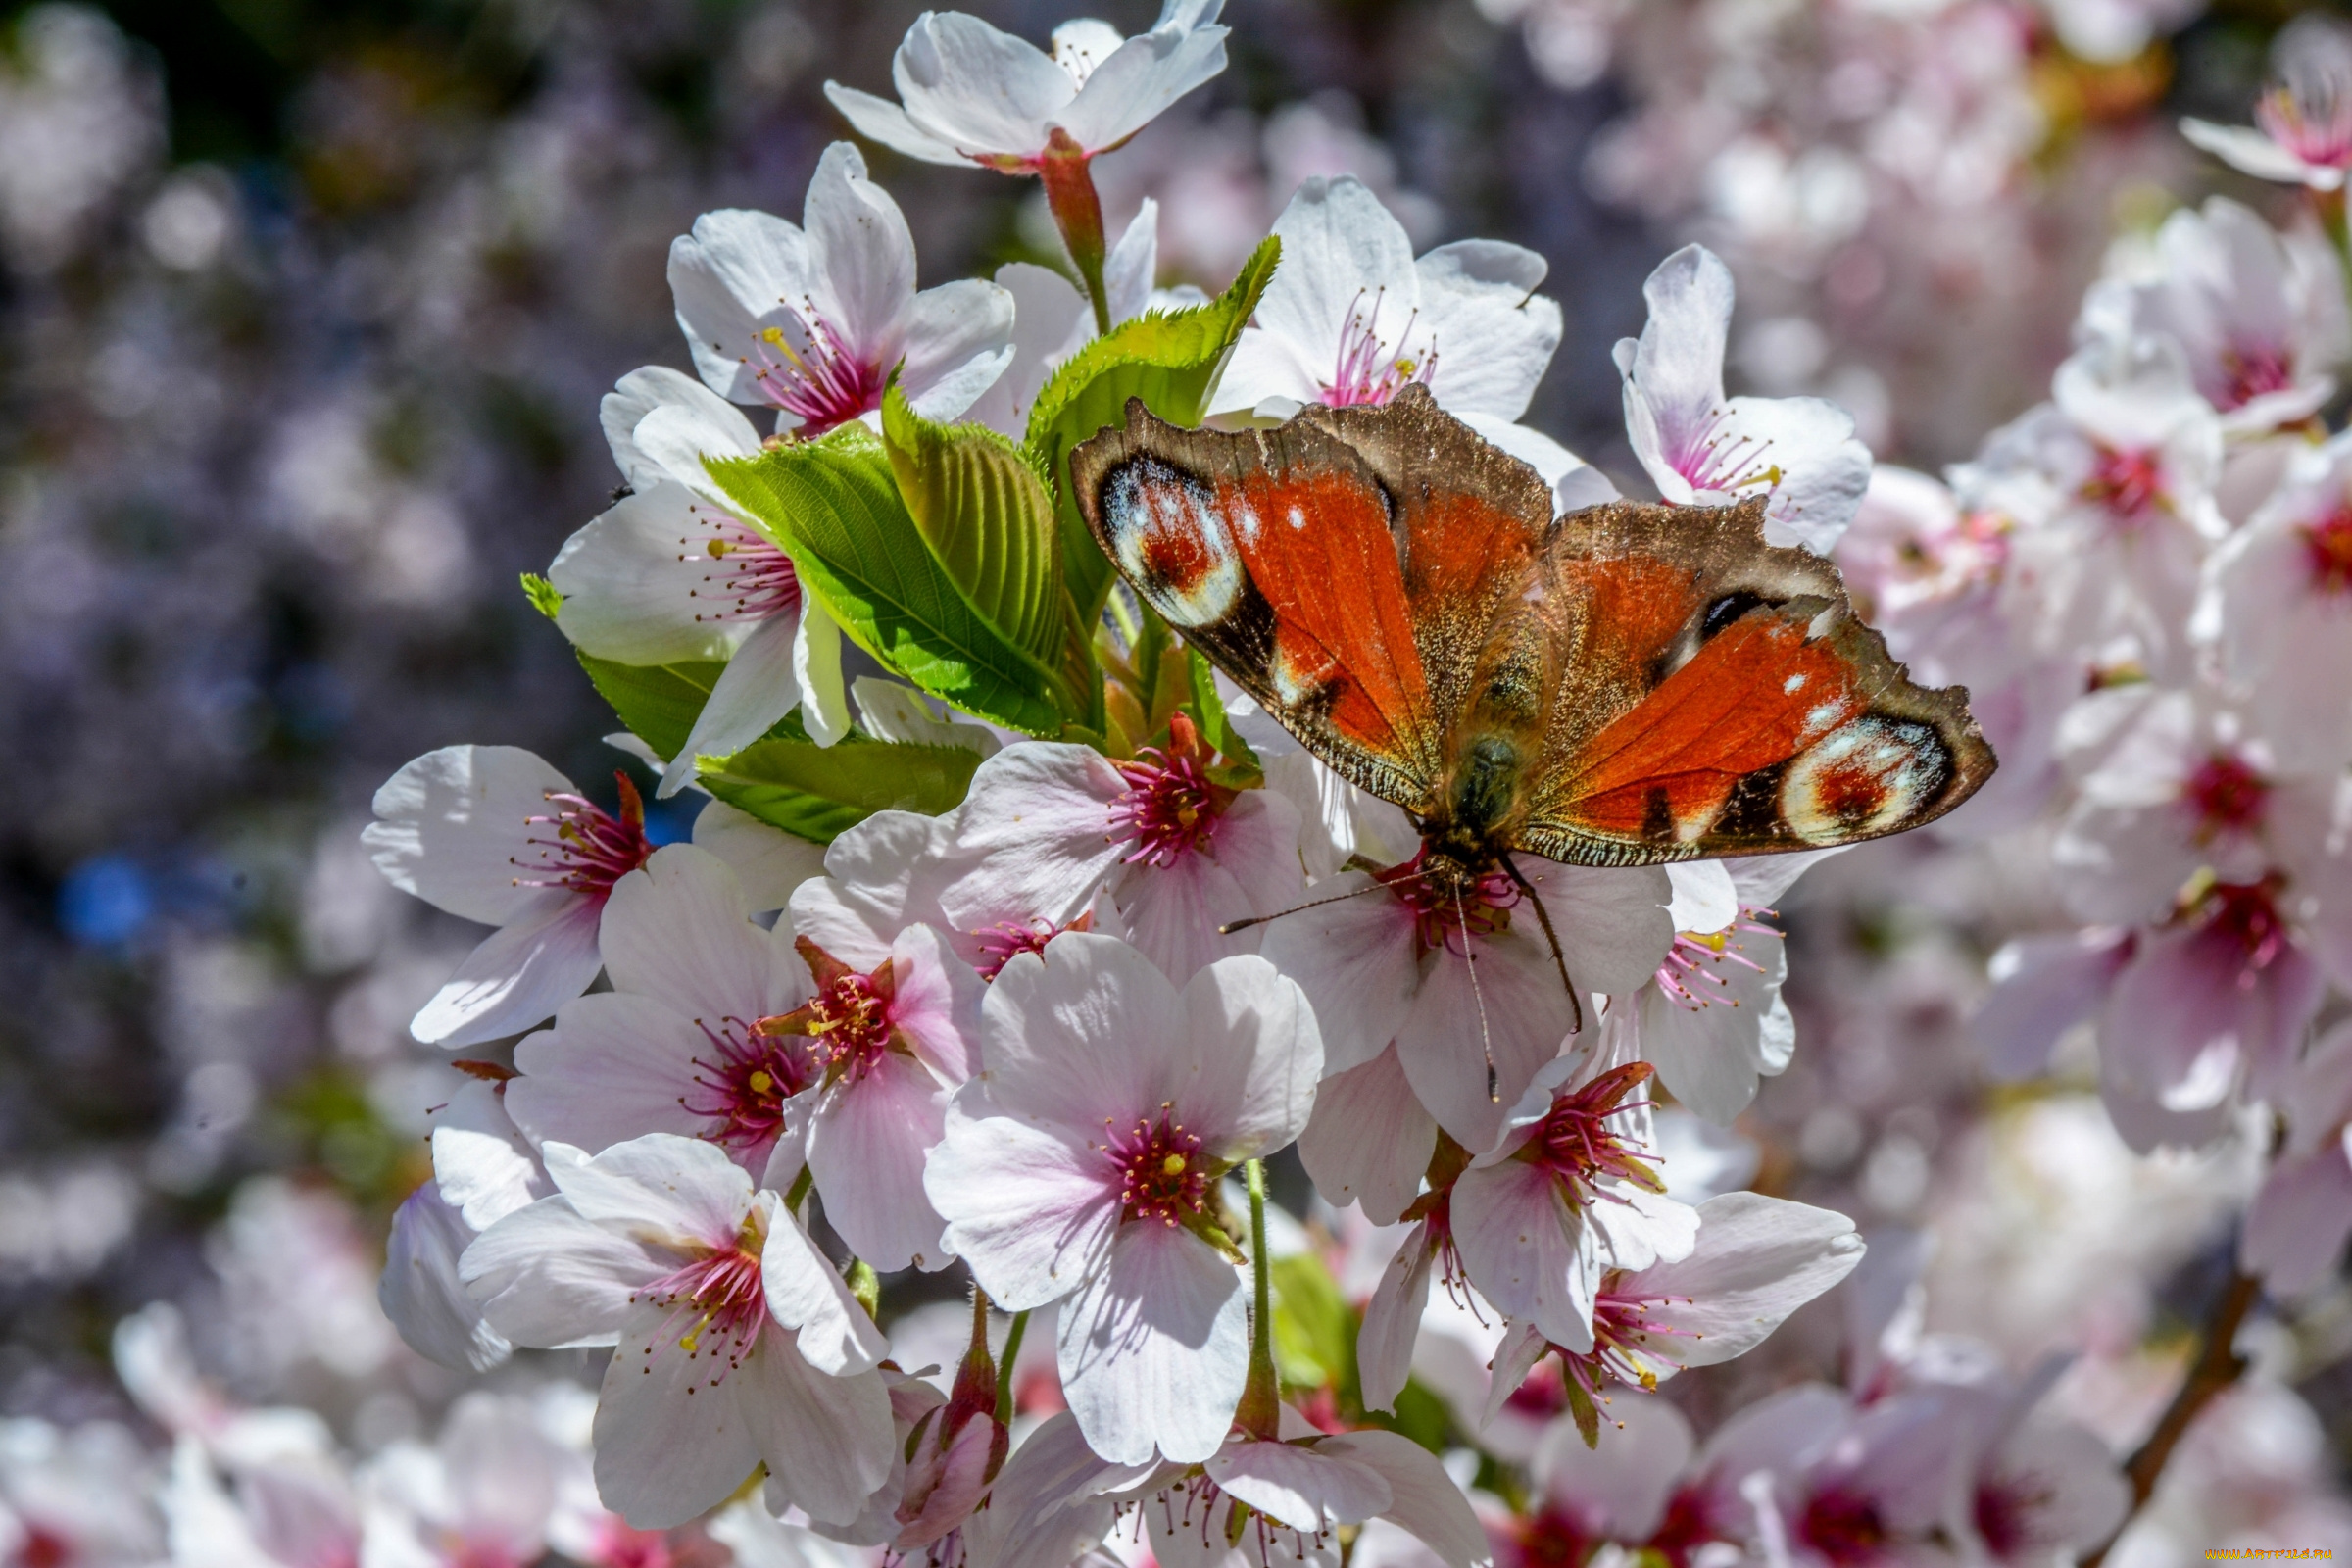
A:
(821, 792)
(988, 519)
(833, 504)
(658, 703)
(1170, 359)
(542, 594)
(1236, 760)
(1315, 1328)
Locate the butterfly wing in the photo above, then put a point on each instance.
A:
(1720, 696)
(1346, 583)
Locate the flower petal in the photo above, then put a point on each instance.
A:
(1422, 1498)
(669, 1445)
(1253, 1036)
(1301, 1486)
(516, 977)
(449, 824)
(629, 582)
(1369, 1139)
(1030, 1212)
(1757, 1260)
(422, 1293)
(614, 1067)
(1531, 1253)
(760, 686)
(827, 1440)
(1154, 1348)
(1384, 1345)
(727, 280)
(958, 341)
(866, 1147)
(674, 931)
(768, 863)
(1044, 1022)
(880, 120)
(1354, 958)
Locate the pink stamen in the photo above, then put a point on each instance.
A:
(1169, 810)
(824, 381)
(713, 1309)
(1441, 919)
(2311, 118)
(1366, 371)
(1712, 460)
(1252, 1531)
(754, 579)
(2328, 546)
(1582, 1143)
(589, 848)
(2251, 370)
(2128, 484)
(1161, 1173)
(1007, 940)
(1843, 1526)
(2245, 915)
(1692, 977)
(848, 1023)
(2227, 795)
(743, 1082)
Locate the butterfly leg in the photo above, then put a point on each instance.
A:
(1576, 1003)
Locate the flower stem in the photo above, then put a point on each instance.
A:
(1013, 1350)
(1078, 213)
(2218, 1365)
(1260, 1412)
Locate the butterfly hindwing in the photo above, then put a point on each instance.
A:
(1721, 698)
(1274, 553)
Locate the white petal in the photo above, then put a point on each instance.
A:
(638, 394)
(866, 1147)
(768, 863)
(544, 1276)
(1139, 82)
(1037, 822)
(669, 1445)
(1493, 339)
(1805, 450)
(516, 977)
(422, 1293)
(817, 665)
(674, 931)
(735, 272)
(681, 1190)
(449, 824)
(886, 123)
(2297, 1224)
(1384, 1345)
(1710, 1050)
(1369, 1139)
(806, 1293)
(630, 577)
(1613, 923)
(1673, 375)
(958, 341)
(1030, 1211)
(612, 1068)
(1757, 1261)
(1503, 1003)
(1342, 254)
(1253, 1036)
(1422, 1498)
(976, 88)
(758, 688)
(1155, 1346)
(1301, 1486)
(1527, 1250)
(827, 1440)
(863, 254)
(1623, 1484)
(1354, 958)
(1044, 1021)
(2250, 152)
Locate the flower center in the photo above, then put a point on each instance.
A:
(1169, 809)
(2126, 483)
(2329, 547)
(617, 1545)
(1580, 1141)
(1692, 977)
(2250, 371)
(848, 1023)
(2244, 915)
(2007, 1510)
(1162, 1175)
(1367, 369)
(2227, 795)
(822, 380)
(1449, 907)
(584, 847)
(751, 578)
(1616, 1321)
(1843, 1526)
(2315, 123)
(743, 1082)
(713, 1307)
(1555, 1538)
(1714, 461)
(1007, 940)
(42, 1549)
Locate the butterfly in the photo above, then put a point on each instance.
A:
(1624, 685)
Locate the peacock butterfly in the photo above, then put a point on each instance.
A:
(1625, 685)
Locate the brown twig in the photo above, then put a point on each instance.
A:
(2218, 1365)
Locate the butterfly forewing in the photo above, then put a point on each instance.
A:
(1273, 552)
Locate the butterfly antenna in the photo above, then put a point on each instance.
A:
(1485, 1039)
(1231, 926)
(1576, 1006)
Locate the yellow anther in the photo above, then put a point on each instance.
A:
(1713, 941)
(1173, 1165)
(761, 1083)
(719, 548)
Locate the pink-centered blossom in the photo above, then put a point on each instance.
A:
(811, 319)
(736, 1341)
(1049, 830)
(1081, 1165)
(491, 833)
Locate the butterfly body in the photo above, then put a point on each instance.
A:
(1625, 685)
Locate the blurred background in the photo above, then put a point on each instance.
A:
(305, 310)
